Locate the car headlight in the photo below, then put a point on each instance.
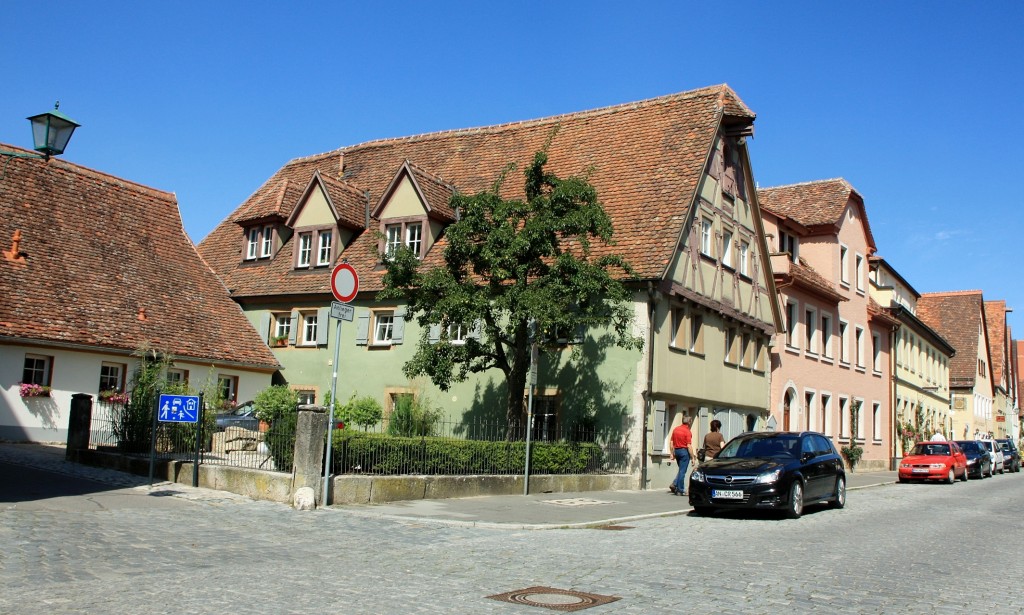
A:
(769, 477)
(937, 466)
(905, 465)
(971, 462)
(698, 476)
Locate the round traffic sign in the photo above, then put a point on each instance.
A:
(344, 282)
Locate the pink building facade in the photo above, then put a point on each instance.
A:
(830, 365)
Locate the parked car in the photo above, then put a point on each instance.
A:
(1011, 456)
(934, 461)
(242, 415)
(979, 464)
(996, 453)
(770, 470)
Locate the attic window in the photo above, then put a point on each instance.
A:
(306, 256)
(408, 234)
(259, 243)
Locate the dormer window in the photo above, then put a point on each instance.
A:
(260, 242)
(323, 239)
(408, 234)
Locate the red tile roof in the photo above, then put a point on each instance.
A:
(644, 158)
(817, 205)
(957, 316)
(106, 263)
(995, 317)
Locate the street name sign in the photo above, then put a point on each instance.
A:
(178, 409)
(341, 311)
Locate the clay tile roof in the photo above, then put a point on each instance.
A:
(995, 317)
(104, 262)
(813, 204)
(436, 191)
(349, 202)
(956, 316)
(645, 159)
(807, 277)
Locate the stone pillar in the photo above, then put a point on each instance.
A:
(79, 424)
(310, 439)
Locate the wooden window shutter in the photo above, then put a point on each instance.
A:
(398, 330)
(323, 325)
(293, 331)
(265, 323)
(658, 439)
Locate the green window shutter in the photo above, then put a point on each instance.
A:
(294, 331)
(265, 324)
(323, 325)
(398, 331)
(362, 329)
(658, 439)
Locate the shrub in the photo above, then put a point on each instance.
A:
(274, 402)
(412, 417)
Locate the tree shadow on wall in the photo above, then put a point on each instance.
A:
(45, 409)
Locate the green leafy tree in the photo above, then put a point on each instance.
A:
(275, 402)
(508, 262)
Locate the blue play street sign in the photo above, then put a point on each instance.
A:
(179, 409)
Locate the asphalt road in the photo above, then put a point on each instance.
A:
(922, 548)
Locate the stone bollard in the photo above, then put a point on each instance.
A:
(79, 425)
(310, 438)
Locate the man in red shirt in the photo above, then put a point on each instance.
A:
(682, 448)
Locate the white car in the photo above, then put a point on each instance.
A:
(995, 452)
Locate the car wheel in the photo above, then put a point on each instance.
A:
(965, 477)
(795, 508)
(951, 477)
(991, 471)
(839, 500)
(1002, 469)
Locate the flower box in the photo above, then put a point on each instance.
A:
(33, 390)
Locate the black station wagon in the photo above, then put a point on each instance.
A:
(771, 470)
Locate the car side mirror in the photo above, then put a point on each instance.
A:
(805, 457)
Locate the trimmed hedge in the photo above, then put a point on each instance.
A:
(370, 453)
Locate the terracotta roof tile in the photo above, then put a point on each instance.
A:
(645, 160)
(957, 317)
(106, 263)
(995, 318)
(814, 204)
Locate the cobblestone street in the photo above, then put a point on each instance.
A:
(894, 549)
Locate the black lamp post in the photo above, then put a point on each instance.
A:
(51, 131)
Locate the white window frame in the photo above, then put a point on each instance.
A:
(383, 328)
(727, 248)
(844, 341)
(310, 324)
(810, 329)
(414, 238)
(176, 375)
(825, 403)
(791, 321)
(876, 421)
(304, 249)
(325, 246)
(810, 402)
(844, 417)
(844, 265)
(706, 232)
(115, 372)
(227, 386)
(858, 260)
(252, 245)
(860, 419)
(826, 335)
(267, 242)
(282, 325)
(789, 244)
(45, 371)
(744, 258)
(876, 352)
(858, 338)
(457, 333)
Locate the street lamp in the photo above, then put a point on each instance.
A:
(51, 131)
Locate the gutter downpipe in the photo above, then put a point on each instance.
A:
(644, 457)
(894, 344)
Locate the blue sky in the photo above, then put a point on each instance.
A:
(914, 103)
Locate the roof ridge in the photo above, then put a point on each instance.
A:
(810, 183)
(943, 293)
(72, 167)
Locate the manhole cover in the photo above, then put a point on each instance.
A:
(556, 599)
(579, 502)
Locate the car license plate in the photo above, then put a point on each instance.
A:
(727, 494)
(920, 470)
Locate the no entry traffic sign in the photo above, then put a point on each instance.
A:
(344, 282)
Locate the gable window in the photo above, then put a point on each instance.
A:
(252, 247)
(727, 248)
(323, 253)
(112, 376)
(37, 370)
(705, 237)
(259, 243)
(268, 241)
(844, 265)
(414, 237)
(744, 258)
(305, 249)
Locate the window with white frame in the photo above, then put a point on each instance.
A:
(876, 421)
(252, 247)
(267, 242)
(844, 341)
(809, 409)
(844, 265)
(705, 236)
(727, 248)
(177, 376)
(408, 234)
(844, 417)
(305, 250)
(744, 258)
(393, 239)
(746, 351)
(810, 329)
(323, 253)
(697, 333)
(112, 376)
(859, 405)
(414, 237)
(678, 339)
(731, 346)
(859, 345)
(282, 326)
(37, 370)
(309, 328)
(876, 352)
(259, 242)
(383, 327)
(790, 244)
(826, 411)
(228, 387)
(859, 272)
(457, 333)
(307, 397)
(826, 336)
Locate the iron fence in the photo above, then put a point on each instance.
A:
(478, 447)
(120, 427)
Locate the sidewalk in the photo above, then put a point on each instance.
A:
(555, 510)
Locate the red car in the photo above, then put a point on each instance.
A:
(934, 460)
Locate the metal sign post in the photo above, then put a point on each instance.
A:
(344, 287)
(529, 415)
